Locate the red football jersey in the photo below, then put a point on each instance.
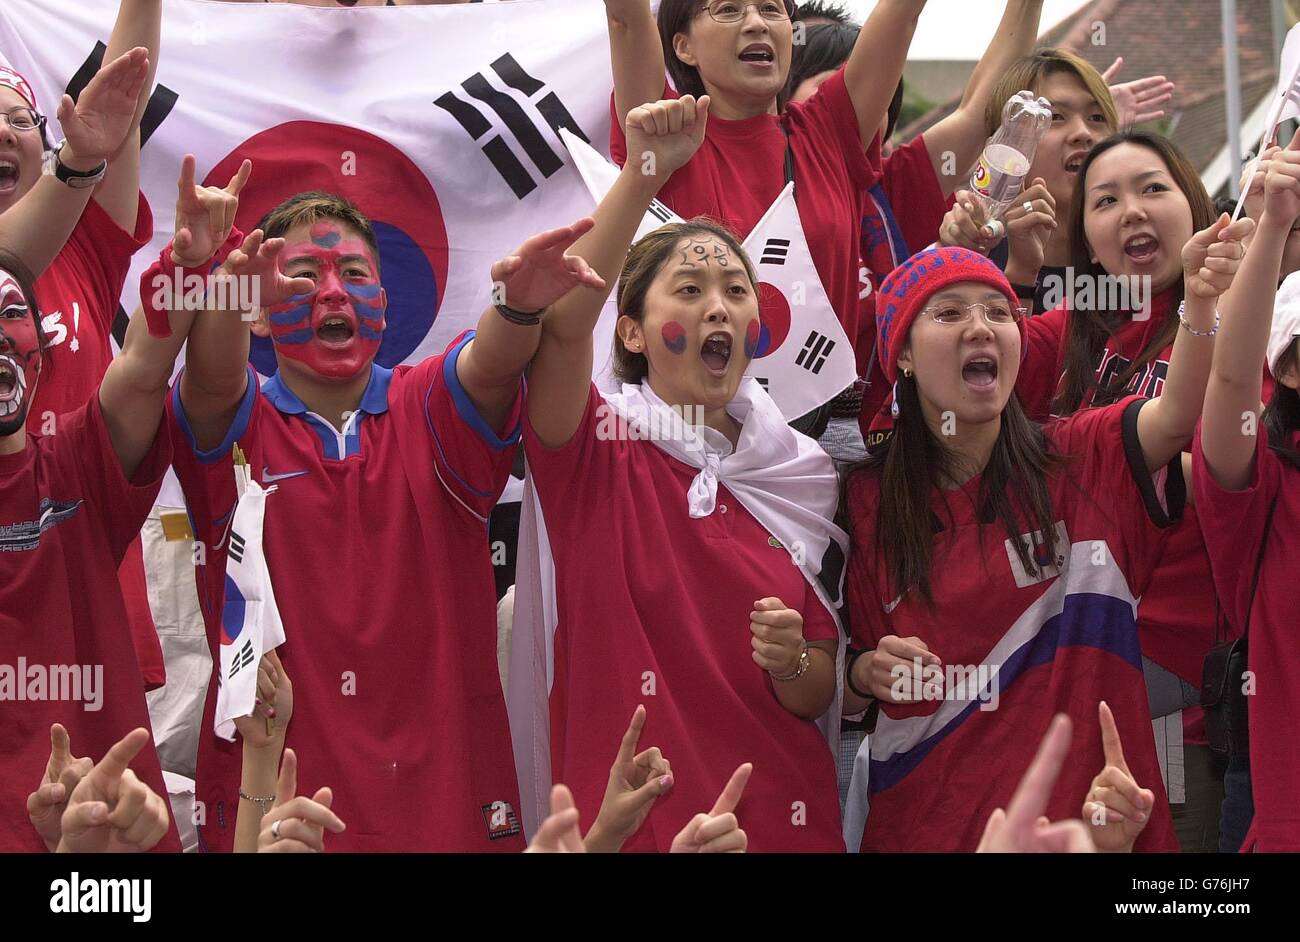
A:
(376, 542)
(1055, 640)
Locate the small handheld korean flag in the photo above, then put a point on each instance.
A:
(1286, 101)
(599, 176)
(803, 357)
(250, 621)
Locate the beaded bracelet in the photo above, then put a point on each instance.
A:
(1182, 319)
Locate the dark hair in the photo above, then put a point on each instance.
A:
(826, 47)
(313, 206)
(644, 261)
(27, 284)
(1088, 331)
(675, 16)
(837, 13)
(1027, 73)
(1281, 418)
(912, 464)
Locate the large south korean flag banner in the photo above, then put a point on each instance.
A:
(440, 122)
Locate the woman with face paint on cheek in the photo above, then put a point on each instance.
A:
(704, 520)
(980, 537)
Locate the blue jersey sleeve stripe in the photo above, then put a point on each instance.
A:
(465, 406)
(237, 427)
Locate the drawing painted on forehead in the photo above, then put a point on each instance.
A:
(705, 251)
(389, 189)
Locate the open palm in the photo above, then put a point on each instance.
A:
(97, 124)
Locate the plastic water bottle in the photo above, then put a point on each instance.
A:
(1000, 175)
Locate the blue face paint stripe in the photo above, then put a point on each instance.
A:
(367, 334)
(292, 316)
(328, 240)
(364, 291)
(294, 337)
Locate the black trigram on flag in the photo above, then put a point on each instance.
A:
(242, 659)
(236, 551)
(660, 211)
(814, 353)
(161, 103)
(762, 381)
(775, 252)
(526, 133)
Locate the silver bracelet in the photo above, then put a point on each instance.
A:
(1182, 319)
(262, 803)
(798, 671)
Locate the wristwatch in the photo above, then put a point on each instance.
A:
(77, 179)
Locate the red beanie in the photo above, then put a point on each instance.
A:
(909, 286)
(11, 79)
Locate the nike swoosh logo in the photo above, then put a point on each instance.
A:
(269, 478)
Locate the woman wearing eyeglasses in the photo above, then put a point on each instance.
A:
(739, 53)
(996, 564)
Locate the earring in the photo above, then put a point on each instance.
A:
(907, 372)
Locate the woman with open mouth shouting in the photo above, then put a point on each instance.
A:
(985, 542)
(688, 531)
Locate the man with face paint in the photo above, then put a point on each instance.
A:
(70, 505)
(375, 535)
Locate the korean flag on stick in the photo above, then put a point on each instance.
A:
(1286, 101)
(803, 358)
(250, 623)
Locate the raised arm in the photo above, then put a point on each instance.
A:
(962, 133)
(876, 63)
(1233, 393)
(36, 227)
(1210, 260)
(523, 285)
(138, 25)
(661, 137)
(636, 54)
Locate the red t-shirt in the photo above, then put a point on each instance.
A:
(1060, 643)
(376, 542)
(1233, 522)
(902, 215)
(739, 171)
(79, 295)
(67, 514)
(648, 595)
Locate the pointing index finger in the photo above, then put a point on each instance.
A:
(60, 745)
(119, 757)
(1035, 789)
(1111, 746)
(627, 749)
(733, 791)
(240, 178)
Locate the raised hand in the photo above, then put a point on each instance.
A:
(96, 125)
(1282, 183)
(663, 135)
(204, 214)
(540, 272)
(635, 780)
(559, 833)
(111, 811)
(257, 259)
(1212, 256)
(895, 656)
(1022, 828)
(717, 832)
(274, 707)
(963, 226)
(297, 824)
(1138, 101)
(46, 805)
(1029, 229)
(1116, 809)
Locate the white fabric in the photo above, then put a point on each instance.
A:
(780, 476)
(1286, 320)
(262, 630)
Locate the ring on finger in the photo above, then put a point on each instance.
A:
(1029, 206)
(275, 830)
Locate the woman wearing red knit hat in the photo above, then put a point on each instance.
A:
(996, 564)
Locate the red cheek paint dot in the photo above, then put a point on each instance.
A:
(751, 338)
(674, 335)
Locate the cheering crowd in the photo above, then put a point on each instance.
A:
(939, 613)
